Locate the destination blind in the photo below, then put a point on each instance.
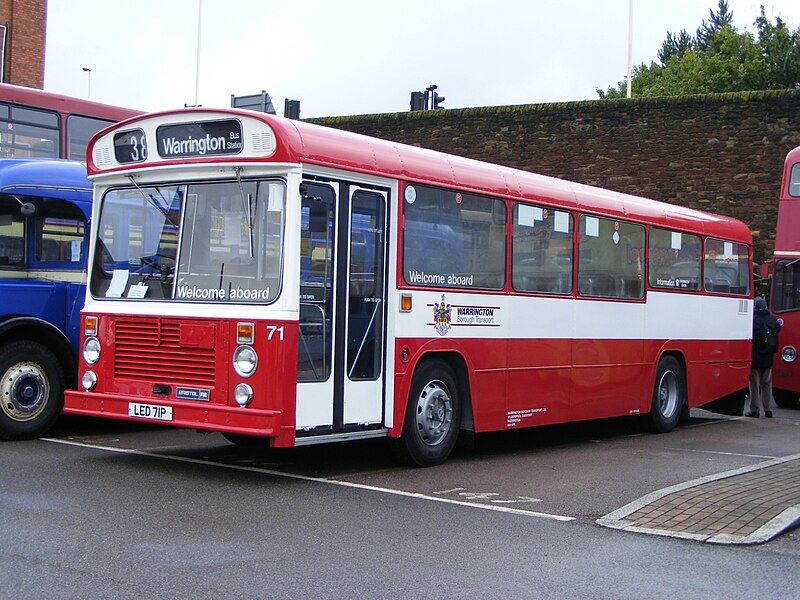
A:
(202, 138)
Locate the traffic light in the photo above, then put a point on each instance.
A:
(427, 100)
(418, 101)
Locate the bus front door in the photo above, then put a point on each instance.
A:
(340, 385)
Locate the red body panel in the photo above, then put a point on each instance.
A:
(521, 383)
(787, 230)
(786, 376)
(142, 353)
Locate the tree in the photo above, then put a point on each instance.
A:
(675, 46)
(781, 49)
(704, 39)
(719, 59)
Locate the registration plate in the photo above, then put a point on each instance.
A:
(150, 411)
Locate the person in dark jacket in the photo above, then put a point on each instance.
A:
(761, 367)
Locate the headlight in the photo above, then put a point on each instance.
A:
(245, 361)
(243, 394)
(789, 354)
(89, 380)
(91, 350)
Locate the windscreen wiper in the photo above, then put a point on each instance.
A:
(247, 204)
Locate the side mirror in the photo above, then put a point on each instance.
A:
(26, 209)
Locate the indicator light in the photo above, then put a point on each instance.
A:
(89, 326)
(245, 333)
(405, 303)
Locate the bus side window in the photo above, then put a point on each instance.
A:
(541, 250)
(726, 267)
(786, 290)
(59, 239)
(12, 240)
(610, 258)
(453, 239)
(675, 260)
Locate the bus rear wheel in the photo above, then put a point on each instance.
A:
(433, 416)
(669, 395)
(31, 390)
(785, 399)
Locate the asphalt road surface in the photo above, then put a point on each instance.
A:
(103, 509)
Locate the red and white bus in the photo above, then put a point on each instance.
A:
(785, 289)
(38, 124)
(264, 277)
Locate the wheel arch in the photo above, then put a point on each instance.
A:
(23, 328)
(458, 364)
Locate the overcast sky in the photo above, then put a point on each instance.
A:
(350, 57)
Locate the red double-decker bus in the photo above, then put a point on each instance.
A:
(38, 124)
(784, 269)
(277, 280)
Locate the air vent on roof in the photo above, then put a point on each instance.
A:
(263, 141)
(102, 156)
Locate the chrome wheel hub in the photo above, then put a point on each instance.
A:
(668, 394)
(24, 390)
(434, 413)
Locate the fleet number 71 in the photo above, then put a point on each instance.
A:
(273, 329)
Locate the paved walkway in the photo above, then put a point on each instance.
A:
(746, 506)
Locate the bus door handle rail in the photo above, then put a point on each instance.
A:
(324, 336)
(364, 339)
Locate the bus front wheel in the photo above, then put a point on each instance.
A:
(669, 395)
(31, 390)
(433, 416)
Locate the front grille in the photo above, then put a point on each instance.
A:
(152, 350)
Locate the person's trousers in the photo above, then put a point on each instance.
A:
(760, 389)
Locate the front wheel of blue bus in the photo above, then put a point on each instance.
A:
(31, 390)
(433, 416)
(669, 395)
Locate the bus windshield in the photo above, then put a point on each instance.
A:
(204, 242)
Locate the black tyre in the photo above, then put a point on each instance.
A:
(669, 395)
(785, 399)
(433, 416)
(31, 390)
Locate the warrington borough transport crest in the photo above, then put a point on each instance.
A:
(441, 317)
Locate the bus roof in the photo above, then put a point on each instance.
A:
(52, 178)
(307, 143)
(48, 100)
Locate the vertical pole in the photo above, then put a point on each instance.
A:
(197, 72)
(630, 44)
(88, 83)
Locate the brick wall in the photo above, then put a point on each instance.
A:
(25, 40)
(721, 153)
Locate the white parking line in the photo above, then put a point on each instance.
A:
(372, 488)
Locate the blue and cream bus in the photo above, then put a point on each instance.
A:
(44, 213)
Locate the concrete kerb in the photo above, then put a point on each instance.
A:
(785, 520)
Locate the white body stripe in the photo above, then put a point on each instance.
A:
(665, 315)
